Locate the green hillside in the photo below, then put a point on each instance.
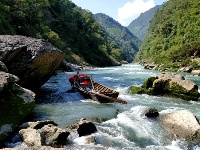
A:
(61, 22)
(174, 35)
(139, 26)
(127, 42)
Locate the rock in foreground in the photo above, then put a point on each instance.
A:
(168, 84)
(182, 124)
(16, 103)
(32, 60)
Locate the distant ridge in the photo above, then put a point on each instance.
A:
(128, 42)
(139, 26)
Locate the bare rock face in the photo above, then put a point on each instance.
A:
(32, 60)
(181, 124)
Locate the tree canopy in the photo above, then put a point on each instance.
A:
(128, 44)
(67, 26)
(174, 35)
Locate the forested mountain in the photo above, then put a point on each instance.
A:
(70, 28)
(139, 26)
(128, 43)
(174, 35)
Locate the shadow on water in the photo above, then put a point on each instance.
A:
(49, 95)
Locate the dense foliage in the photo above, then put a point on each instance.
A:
(61, 22)
(139, 26)
(174, 35)
(127, 42)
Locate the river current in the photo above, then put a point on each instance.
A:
(120, 127)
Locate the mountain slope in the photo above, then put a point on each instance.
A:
(174, 35)
(70, 28)
(139, 26)
(121, 35)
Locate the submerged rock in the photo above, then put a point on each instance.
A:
(168, 84)
(152, 113)
(181, 124)
(33, 60)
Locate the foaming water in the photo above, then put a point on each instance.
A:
(120, 127)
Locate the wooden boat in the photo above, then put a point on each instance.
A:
(91, 89)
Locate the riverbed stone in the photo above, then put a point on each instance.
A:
(196, 72)
(181, 124)
(54, 136)
(152, 113)
(34, 61)
(37, 124)
(43, 133)
(83, 127)
(168, 84)
(31, 137)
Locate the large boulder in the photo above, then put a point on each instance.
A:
(168, 84)
(33, 60)
(43, 133)
(181, 124)
(15, 104)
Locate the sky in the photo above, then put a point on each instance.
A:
(123, 11)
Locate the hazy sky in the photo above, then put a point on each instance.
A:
(124, 11)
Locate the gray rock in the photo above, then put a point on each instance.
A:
(54, 136)
(3, 67)
(31, 137)
(196, 72)
(39, 134)
(152, 113)
(83, 127)
(181, 124)
(7, 81)
(32, 60)
(90, 140)
(16, 103)
(37, 124)
(186, 69)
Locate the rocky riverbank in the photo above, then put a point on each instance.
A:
(188, 69)
(25, 64)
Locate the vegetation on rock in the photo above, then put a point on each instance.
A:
(168, 84)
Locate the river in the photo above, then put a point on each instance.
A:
(120, 127)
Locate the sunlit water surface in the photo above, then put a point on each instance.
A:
(120, 127)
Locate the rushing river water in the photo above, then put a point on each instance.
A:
(120, 127)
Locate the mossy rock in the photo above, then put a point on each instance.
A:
(13, 109)
(135, 90)
(148, 83)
